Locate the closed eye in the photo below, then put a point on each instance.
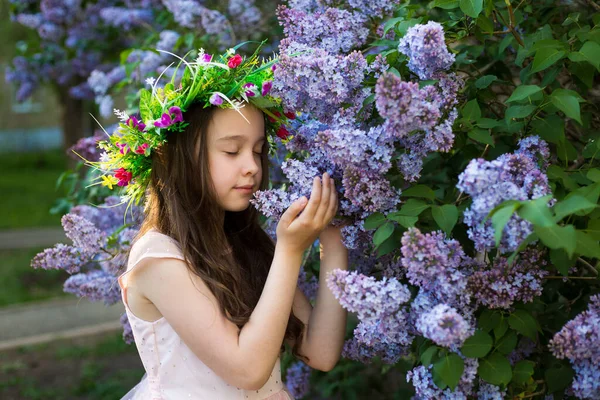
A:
(230, 153)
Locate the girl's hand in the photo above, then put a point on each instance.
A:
(297, 232)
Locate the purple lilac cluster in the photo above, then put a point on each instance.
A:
(297, 379)
(333, 30)
(426, 49)
(499, 285)
(380, 308)
(425, 388)
(86, 148)
(389, 353)
(419, 120)
(517, 176)
(317, 82)
(444, 326)
(74, 36)
(373, 9)
(92, 261)
(488, 391)
(437, 265)
(246, 14)
(578, 341)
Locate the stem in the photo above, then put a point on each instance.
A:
(593, 4)
(587, 278)
(589, 266)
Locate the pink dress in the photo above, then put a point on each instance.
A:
(173, 372)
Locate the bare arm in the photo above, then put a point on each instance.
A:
(245, 358)
(326, 322)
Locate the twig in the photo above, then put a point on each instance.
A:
(589, 266)
(593, 4)
(587, 278)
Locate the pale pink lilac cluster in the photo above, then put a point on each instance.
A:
(517, 176)
(426, 49)
(578, 341)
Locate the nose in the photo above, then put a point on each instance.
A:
(251, 165)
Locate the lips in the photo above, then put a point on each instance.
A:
(245, 187)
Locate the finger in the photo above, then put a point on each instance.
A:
(315, 199)
(333, 202)
(293, 210)
(325, 198)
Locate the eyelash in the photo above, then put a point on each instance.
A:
(233, 154)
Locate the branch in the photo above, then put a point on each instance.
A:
(593, 4)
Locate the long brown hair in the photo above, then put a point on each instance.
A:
(232, 257)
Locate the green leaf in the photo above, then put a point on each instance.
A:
(471, 111)
(558, 379)
(545, 57)
(522, 372)
(571, 205)
(445, 216)
(471, 7)
(593, 175)
(591, 51)
(488, 320)
(390, 24)
(382, 233)
(419, 191)
(390, 244)
(446, 4)
(374, 221)
(500, 219)
(404, 220)
(481, 136)
(488, 123)
(522, 322)
(587, 245)
(558, 237)
(428, 355)
(523, 92)
(501, 328)
(450, 368)
(495, 369)
(561, 261)
(537, 212)
(567, 103)
(519, 111)
(412, 208)
(550, 128)
(478, 345)
(485, 81)
(507, 343)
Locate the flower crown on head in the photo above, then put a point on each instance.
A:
(228, 81)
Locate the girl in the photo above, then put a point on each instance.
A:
(209, 297)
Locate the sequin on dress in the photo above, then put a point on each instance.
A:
(173, 372)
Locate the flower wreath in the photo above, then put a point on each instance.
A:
(226, 82)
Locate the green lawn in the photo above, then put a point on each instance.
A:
(92, 368)
(21, 283)
(27, 184)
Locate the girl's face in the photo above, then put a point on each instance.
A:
(234, 155)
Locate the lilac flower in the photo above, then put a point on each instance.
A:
(490, 392)
(272, 203)
(297, 379)
(32, 21)
(124, 18)
(500, 285)
(334, 30)
(358, 351)
(309, 286)
(370, 8)
(87, 148)
(444, 326)
(370, 191)
(437, 265)
(363, 295)
(83, 233)
(95, 285)
(127, 331)
(185, 12)
(105, 105)
(245, 14)
(98, 82)
(509, 177)
(405, 107)
(391, 329)
(319, 83)
(426, 49)
(425, 388)
(61, 256)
